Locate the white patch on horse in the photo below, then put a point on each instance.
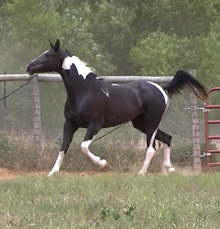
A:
(96, 160)
(105, 92)
(167, 163)
(57, 164)
(162, 91)
(149, 154)
(40, 55)
(80, 65)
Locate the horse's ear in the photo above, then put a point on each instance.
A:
(51, 45)
(56, 46)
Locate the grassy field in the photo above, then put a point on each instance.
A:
(111, 201)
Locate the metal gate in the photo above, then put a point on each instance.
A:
(208, 137)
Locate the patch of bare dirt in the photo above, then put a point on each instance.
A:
(6, 174)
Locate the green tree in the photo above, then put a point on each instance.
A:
(78, 37)
(208, 59)
(115, 37)
(158, 54)
(111, 29)
(29, 26)
(182, 17)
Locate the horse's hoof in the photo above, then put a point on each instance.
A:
(170, 170)
(141, 173)
(103, 164)
(52, 172)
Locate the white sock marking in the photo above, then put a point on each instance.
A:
(93, 158)
(57, 164)
(80, 65)
(167, 163)
(149, 155)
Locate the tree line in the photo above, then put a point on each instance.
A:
(116, 37)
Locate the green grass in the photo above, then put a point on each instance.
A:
(111, 201)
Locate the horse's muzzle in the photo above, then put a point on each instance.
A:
(29, 69)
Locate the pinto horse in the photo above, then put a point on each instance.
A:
(95, 104)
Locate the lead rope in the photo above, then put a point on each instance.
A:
(29, 80)
(117, 127)
(17, 89)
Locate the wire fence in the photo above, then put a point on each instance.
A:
(16, 106)
(17, 110)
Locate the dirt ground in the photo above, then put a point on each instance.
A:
(6, 174)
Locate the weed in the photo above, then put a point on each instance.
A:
(107, 213)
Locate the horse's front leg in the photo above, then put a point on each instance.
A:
(69, 130)
(89, 137)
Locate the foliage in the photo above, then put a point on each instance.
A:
(157, 54)
(105, 32)
(31, 24)
(116, 37)
(208, 59)
(23, 20)
(16, 155)
(123, 155)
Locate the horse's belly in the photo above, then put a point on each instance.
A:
(120, 117)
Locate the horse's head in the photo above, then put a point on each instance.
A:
(49, 61)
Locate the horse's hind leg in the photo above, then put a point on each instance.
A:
(139, 123)
(149, 152)
(166, 139)
(69, 130)
(150, 131)
(151, 124)
(90, 134)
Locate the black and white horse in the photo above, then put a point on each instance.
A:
(94, 104)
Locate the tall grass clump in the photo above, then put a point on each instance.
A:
(16, 153)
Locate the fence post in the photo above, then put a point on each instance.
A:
(197, 167)
(4, 92)
(37, 121)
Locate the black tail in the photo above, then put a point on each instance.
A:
(180, 80)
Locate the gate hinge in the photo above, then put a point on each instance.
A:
(206, 110)
(205, 154)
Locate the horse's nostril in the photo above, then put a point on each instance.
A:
(30, 66)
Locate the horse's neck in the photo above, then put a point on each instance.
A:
(73, 83)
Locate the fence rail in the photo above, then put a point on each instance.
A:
(112, 79)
